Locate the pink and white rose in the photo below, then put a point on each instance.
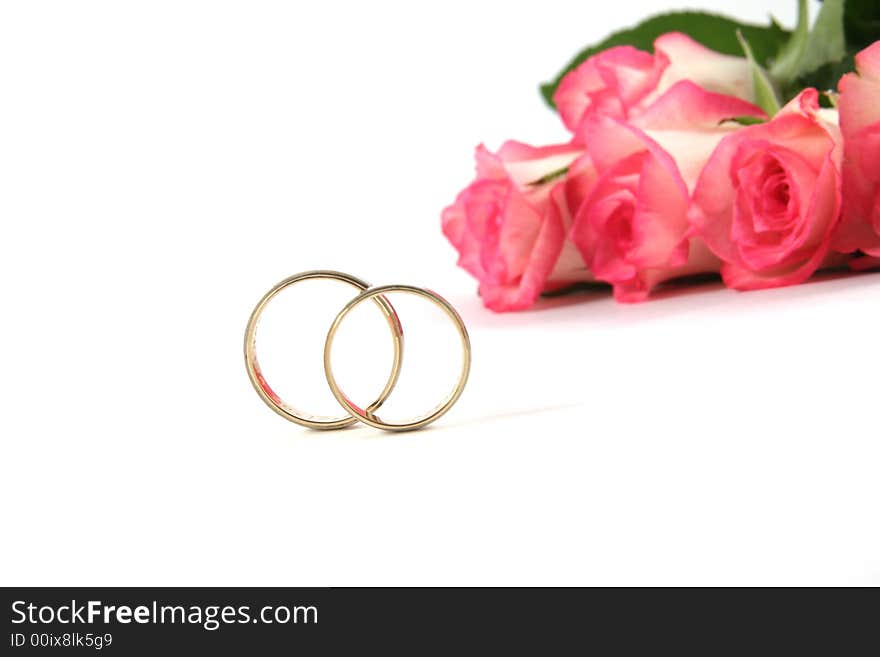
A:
(632, 228)
(623, 81)
(769, 199)
(509, 225)
(859, 106)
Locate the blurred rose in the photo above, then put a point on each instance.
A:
(769, 197)
(509, 225)
(860, 123)
(632, 228)
(621, 82)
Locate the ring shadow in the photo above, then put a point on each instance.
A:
(369, 433)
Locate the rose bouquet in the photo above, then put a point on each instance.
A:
(698, 145)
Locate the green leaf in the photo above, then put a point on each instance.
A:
(743, 120)
(829, 99)
(550, 177)
(861, 23)
(827, 42)
(786, 65)
(808, 50)
(826, 76)
(765, 94)
(713, 31)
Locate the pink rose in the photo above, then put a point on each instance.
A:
(632, 228)
(769, 199)
(860, 123)
(509, 224)
(621, 82)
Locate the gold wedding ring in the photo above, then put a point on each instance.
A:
(269, 396)
(368, 415)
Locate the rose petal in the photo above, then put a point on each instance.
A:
(714, 71)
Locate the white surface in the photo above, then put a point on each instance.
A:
(162, 164)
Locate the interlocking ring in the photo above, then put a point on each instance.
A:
(271, 398)
(368, 415)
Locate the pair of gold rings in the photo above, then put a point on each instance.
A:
(354, 412)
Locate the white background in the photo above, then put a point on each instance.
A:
(162, 164)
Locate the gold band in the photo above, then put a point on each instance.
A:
(263, 388)
(367, 415)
